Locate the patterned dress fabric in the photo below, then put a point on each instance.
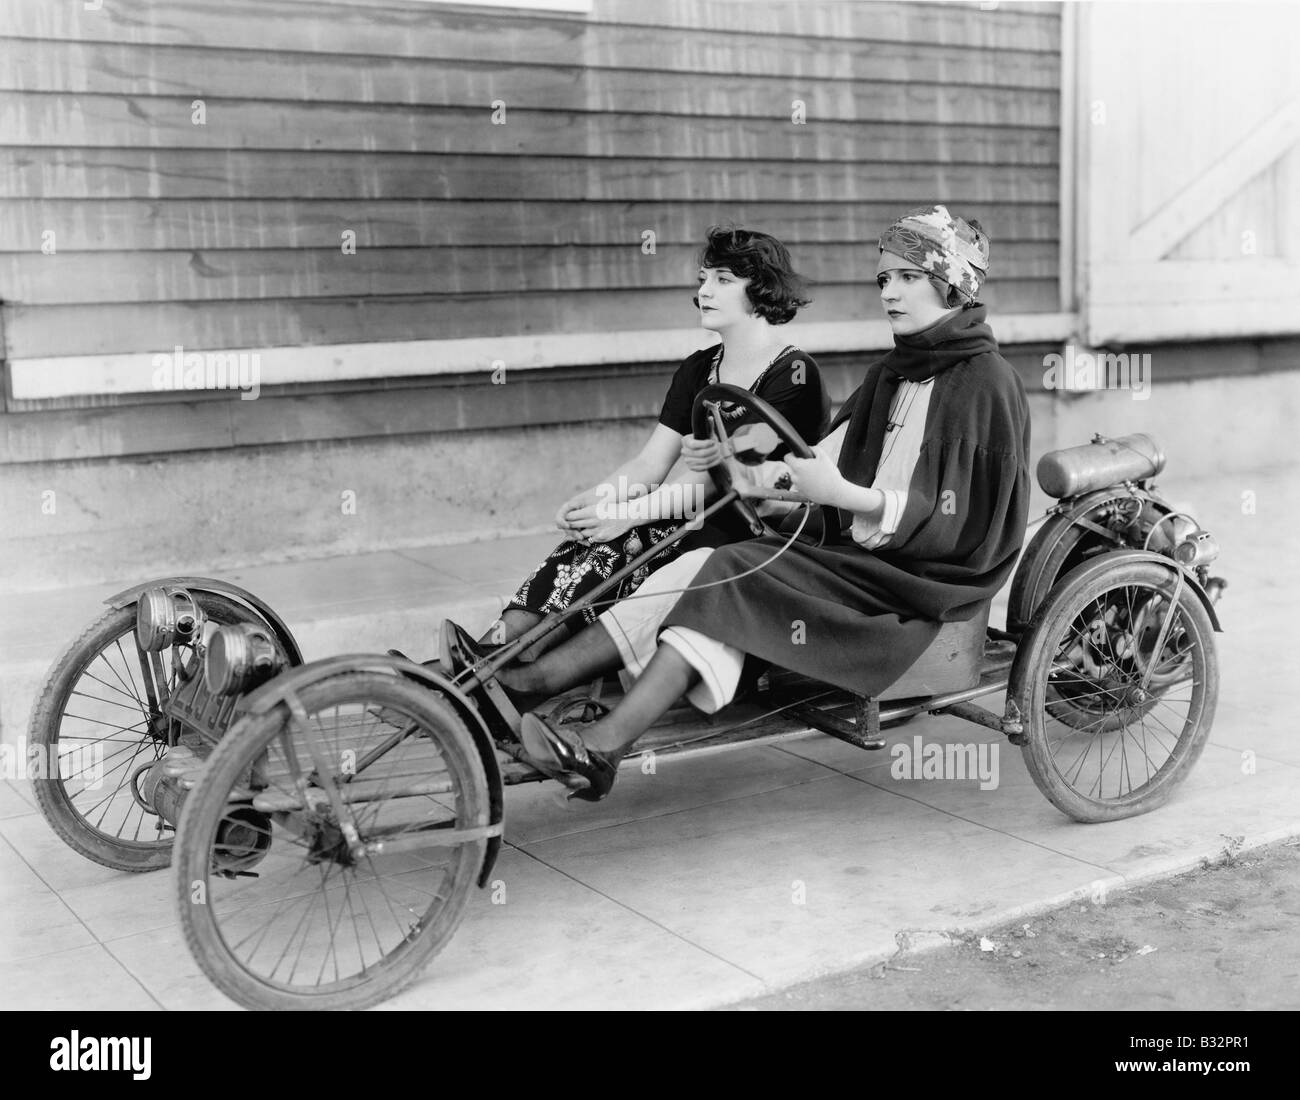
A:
(791, 383)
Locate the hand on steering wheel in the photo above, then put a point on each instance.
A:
(701, 454)
(704, 416)
(815, 478)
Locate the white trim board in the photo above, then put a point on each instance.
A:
(581, 7)
(134, 372)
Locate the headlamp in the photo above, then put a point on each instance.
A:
(239, 658)
(165, 617)
(1196, 549)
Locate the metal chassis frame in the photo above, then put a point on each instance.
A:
(864, 732)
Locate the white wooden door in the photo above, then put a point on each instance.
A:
(1189, 154)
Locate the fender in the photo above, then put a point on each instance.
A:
(269, 695)
(1061, 519)
(1076, 508)
(224, 588)
(1074, 511)
(1018, 687)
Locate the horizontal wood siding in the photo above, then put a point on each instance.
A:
(275, 273)
(376, 118)
(373, 117)
(161, 225)
(363, 177)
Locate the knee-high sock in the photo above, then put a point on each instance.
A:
(665, 680)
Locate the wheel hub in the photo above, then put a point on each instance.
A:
(326, 843)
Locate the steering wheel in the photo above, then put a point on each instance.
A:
(705, 415)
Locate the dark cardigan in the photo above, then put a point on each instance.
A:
(857, 618)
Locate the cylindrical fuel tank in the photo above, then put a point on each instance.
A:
(1075, 470)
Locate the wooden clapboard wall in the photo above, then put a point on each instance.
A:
(375, 117)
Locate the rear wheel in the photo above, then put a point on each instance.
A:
(1123, 682)
(99, 724)
(280, 907)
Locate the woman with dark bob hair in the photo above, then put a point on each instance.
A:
(747, 289)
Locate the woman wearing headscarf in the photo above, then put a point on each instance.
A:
(924, 488)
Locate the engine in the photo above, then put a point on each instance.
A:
(212, 667)
(244, 835)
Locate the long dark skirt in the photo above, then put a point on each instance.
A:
(573, 569)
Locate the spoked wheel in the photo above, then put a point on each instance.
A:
(283, 905)
(1123, 683)
(99, 724)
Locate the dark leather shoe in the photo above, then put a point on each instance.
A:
(558, 751)
(457, 651)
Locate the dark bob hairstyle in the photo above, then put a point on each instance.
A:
(775, 289)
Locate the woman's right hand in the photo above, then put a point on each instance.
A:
(701, 455)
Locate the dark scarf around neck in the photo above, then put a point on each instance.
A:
(954, 339)
(917, 357)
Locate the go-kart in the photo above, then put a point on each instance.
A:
(328, 821)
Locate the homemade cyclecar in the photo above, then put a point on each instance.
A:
(328, 821)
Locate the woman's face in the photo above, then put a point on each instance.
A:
(723, 301)
(908, 297)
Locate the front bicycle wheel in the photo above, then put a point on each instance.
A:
(323, 860)
(1123, 681)
(98, 723)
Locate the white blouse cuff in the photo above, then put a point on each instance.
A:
(895, 502)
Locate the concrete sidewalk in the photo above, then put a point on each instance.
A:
(725, 873)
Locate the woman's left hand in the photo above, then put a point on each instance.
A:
(701, 454)
(594, 524)
(817, 478)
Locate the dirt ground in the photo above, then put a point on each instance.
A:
(1224, 937)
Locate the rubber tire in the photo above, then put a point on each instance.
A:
(51, 797)
(206, 803)
(1062, 607)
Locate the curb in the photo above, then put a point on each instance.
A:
(932, 940)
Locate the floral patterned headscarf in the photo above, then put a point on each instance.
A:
(950, 248)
